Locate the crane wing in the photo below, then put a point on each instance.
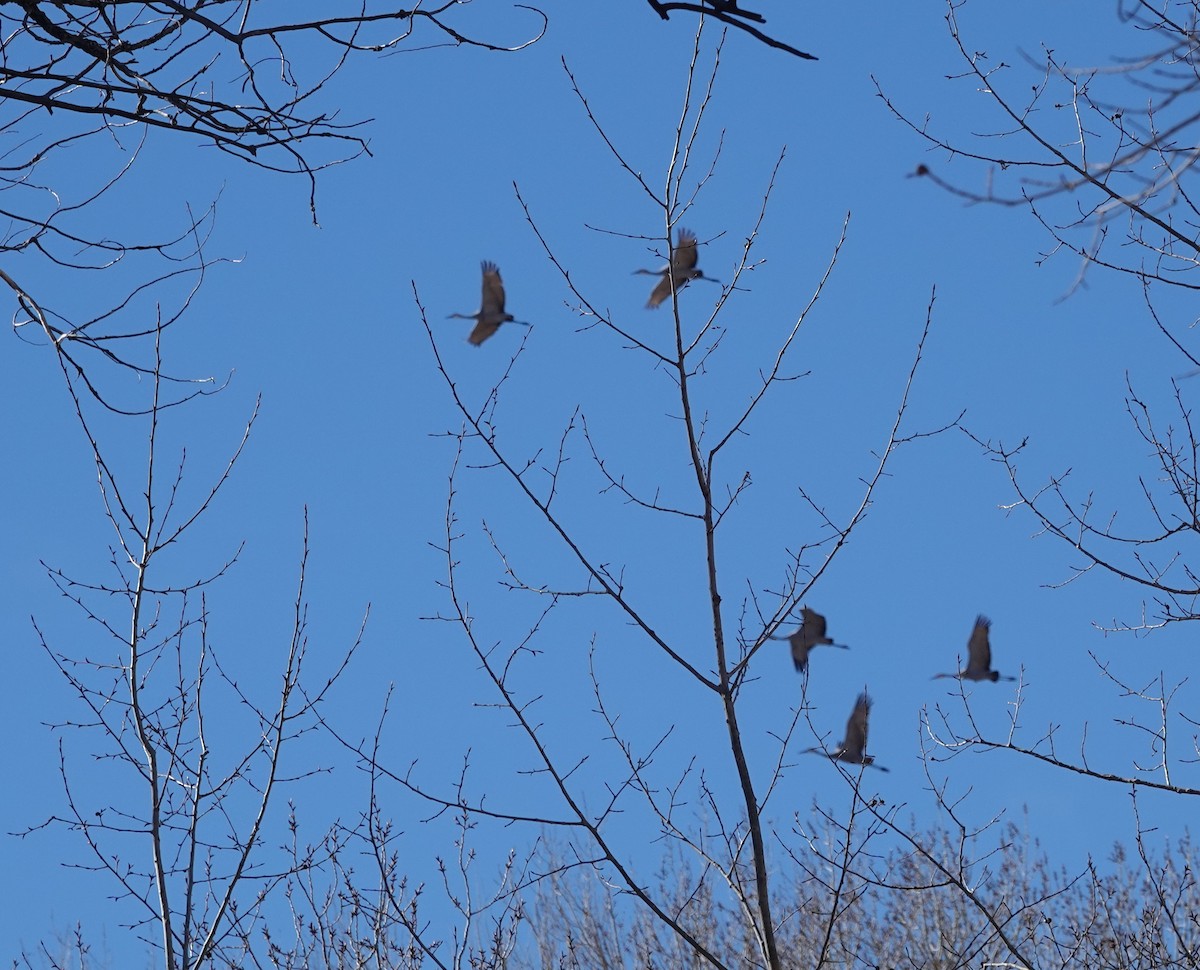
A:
(683, 265)
(483, 329)
(979, 650)
(685, 257)
(660, 292)
(813, 625)
(493, 297)
(799, 649)
(856, 729)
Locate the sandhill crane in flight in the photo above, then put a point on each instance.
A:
(811, 634)
(979, 655)
(491, 309)
(682, 267)
(853, 749)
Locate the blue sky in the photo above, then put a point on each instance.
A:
(321, 322)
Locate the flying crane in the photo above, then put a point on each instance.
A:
(853, 749)
(811, 634)
(979, 655)
(682, 267)
(491, 309)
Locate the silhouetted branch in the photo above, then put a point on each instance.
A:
(1119, 158)
(728, 12)
(182, 839)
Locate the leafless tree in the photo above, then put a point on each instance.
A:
(194, 877)
(1102, 159)
(179, 823)
(193, 828)
(1101, 156)
(85, 87)
(906, 911)
(221, 72)
(176, 826)
(722, 885)
(719, 828)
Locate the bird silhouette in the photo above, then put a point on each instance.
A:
(979, 655)
(811, 634)
(853, 749)
(682, 267)
(491, 309)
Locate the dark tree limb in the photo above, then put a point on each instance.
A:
(728, 12)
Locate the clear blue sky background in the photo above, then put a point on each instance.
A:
(322, 323)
